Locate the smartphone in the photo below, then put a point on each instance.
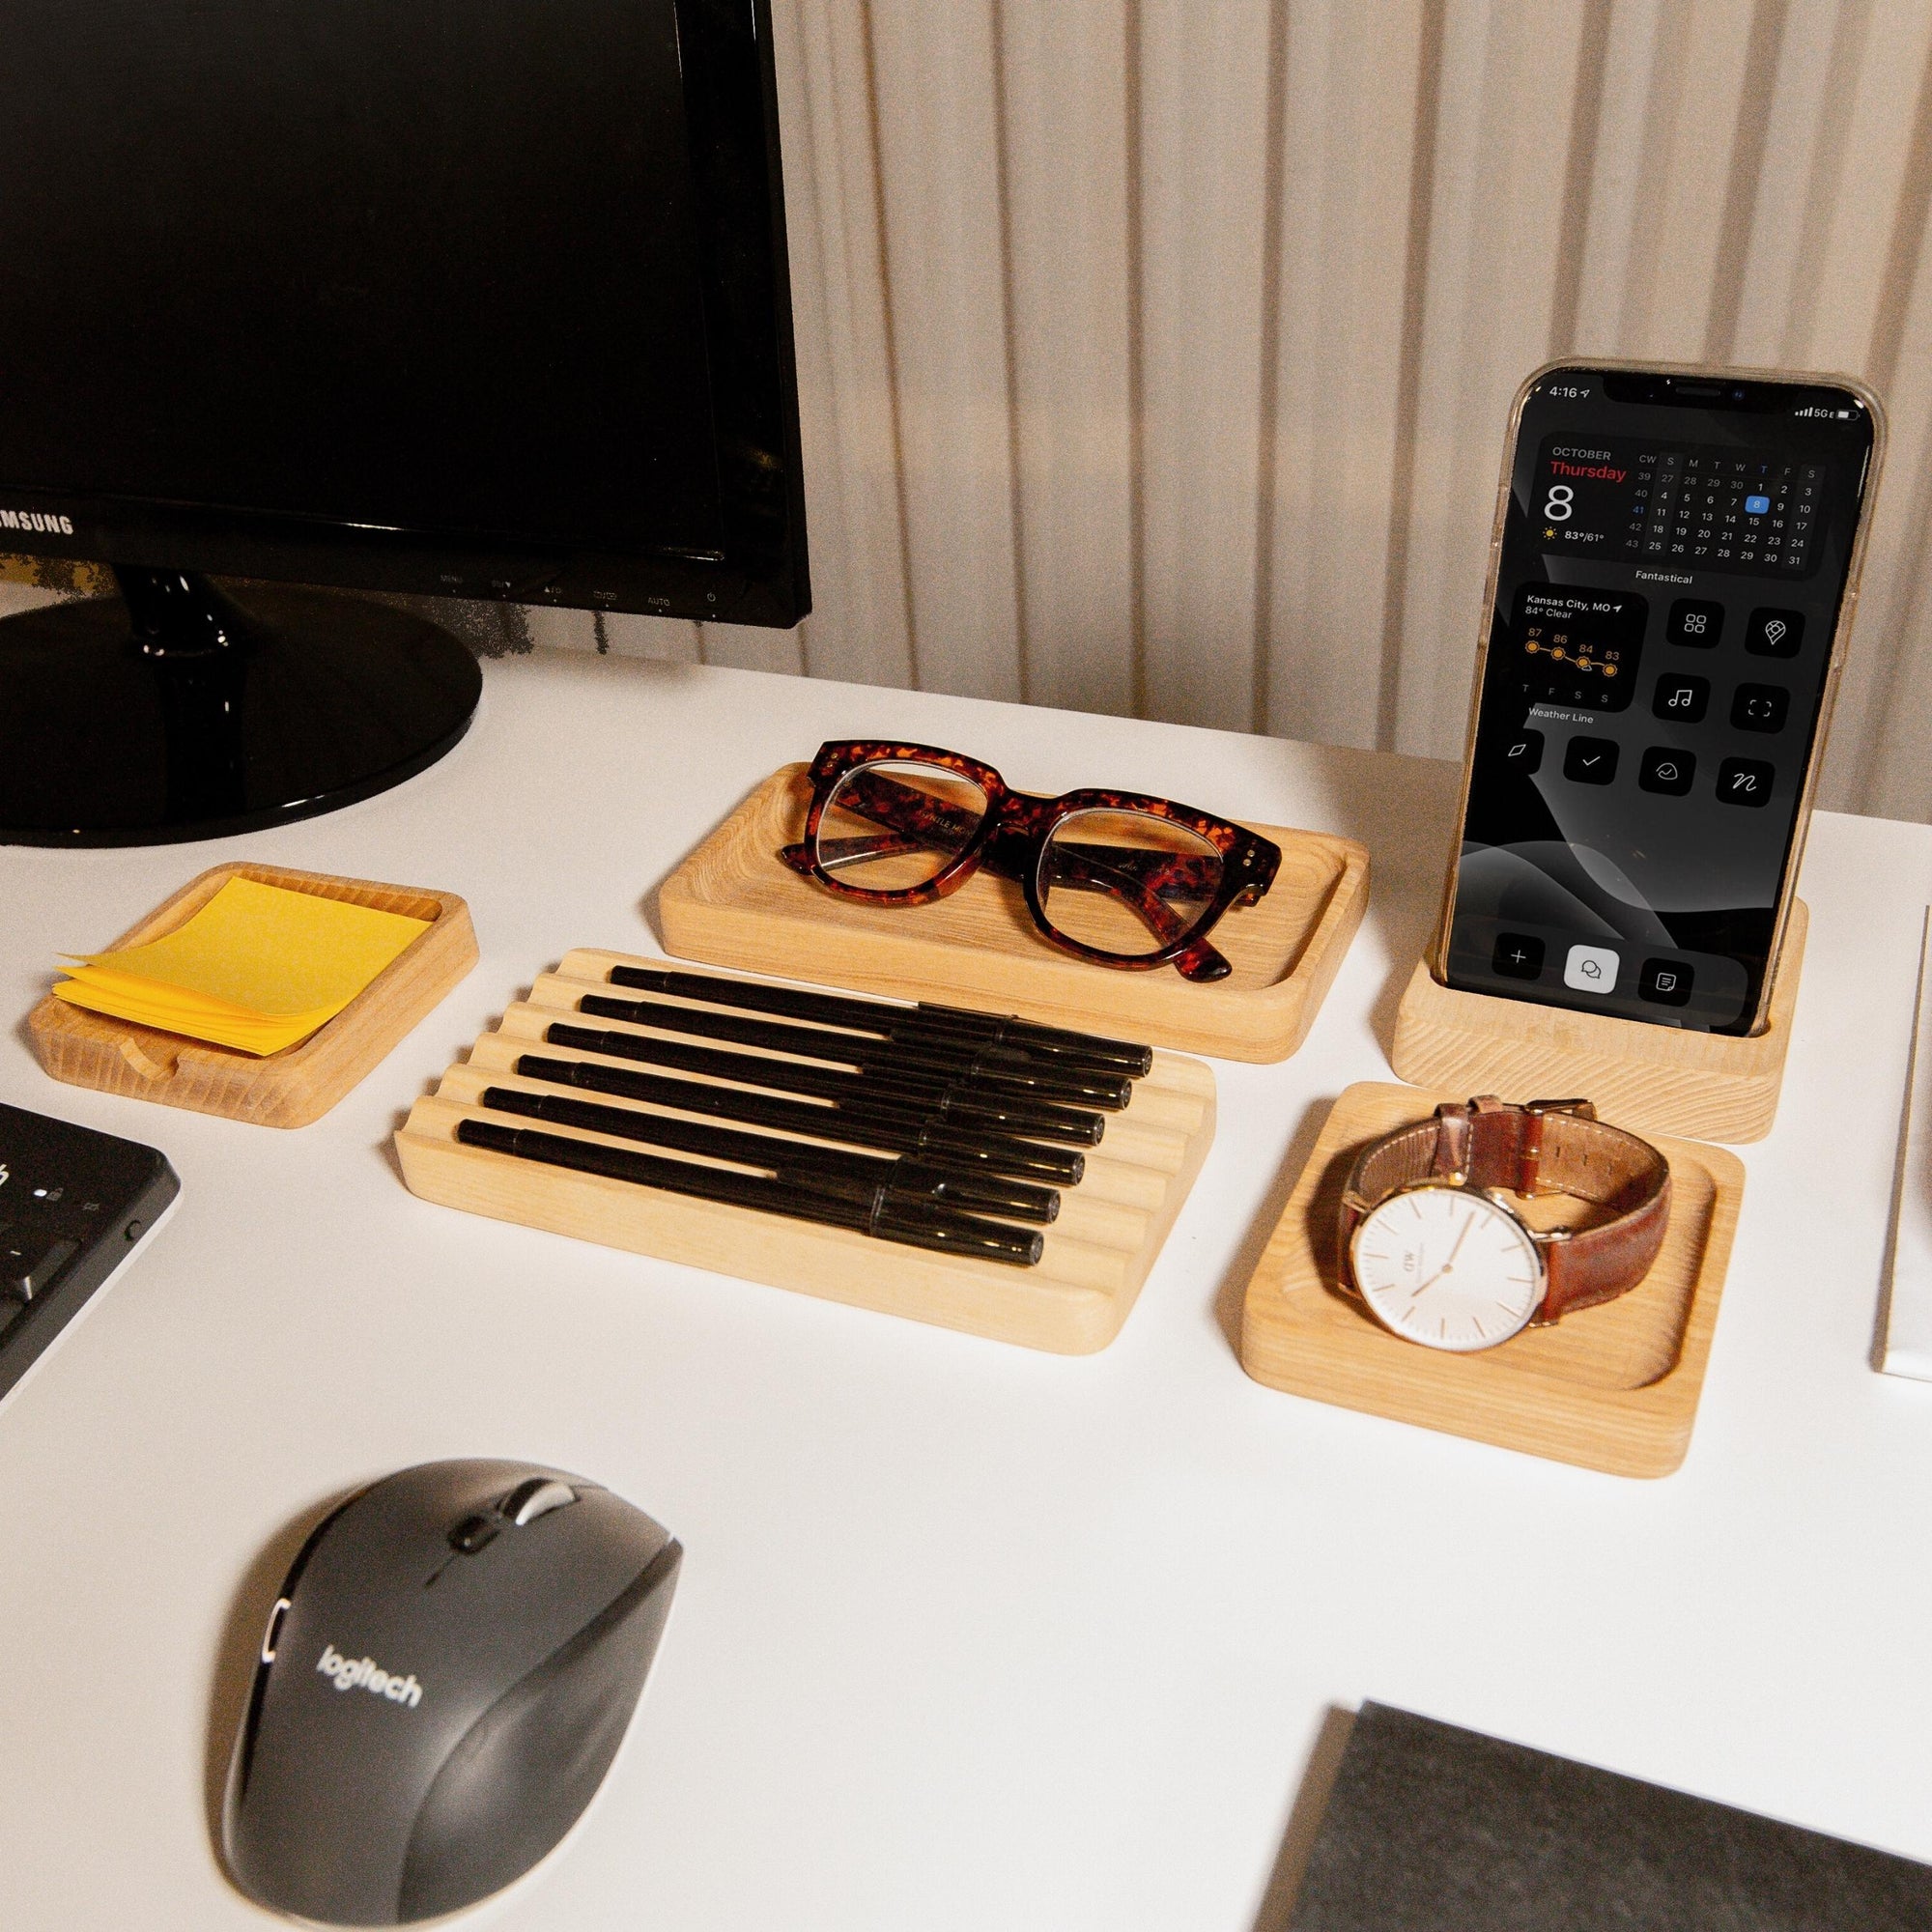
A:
(1673, 568)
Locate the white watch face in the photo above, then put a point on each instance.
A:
(1448, 1269)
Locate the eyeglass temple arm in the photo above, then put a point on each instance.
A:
(1083, 868)
(1170, 874)
(1079, 866)
(906, 808)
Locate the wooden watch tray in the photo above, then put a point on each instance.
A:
(1613, 1388)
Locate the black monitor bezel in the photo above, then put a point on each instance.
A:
(730, 91)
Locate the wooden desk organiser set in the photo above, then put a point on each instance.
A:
(1097, 1254)
(1613, 1388)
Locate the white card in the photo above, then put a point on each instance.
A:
(1908, 1328)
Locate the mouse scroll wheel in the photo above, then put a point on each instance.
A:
(534, 1498)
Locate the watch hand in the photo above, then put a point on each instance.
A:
(1456, 1248)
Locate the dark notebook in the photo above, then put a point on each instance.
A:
(1431, 1829)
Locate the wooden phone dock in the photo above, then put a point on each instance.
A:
(1651, 1079)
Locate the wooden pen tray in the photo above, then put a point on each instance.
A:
(734, 903)
(300, 1084)
(1109, 1227)
(1613, 1388)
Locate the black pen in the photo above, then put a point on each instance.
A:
(785, 1159)
(856, 1125)
(919, 1224)
(887, 1017)
(962, 1103)
(999, 1069)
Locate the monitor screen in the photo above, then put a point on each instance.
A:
(484, 296)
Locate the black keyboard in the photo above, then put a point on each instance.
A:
(72, 1202)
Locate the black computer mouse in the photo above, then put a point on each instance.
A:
(444, 1681)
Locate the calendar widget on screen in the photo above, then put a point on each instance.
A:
(1742, 510)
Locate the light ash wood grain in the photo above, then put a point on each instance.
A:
(1651, 1079)
(1097, 1255)
(733, 903)
(300, 1084)
(1613, 1388)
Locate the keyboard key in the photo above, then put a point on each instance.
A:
(66, 1195)
(27, 1269)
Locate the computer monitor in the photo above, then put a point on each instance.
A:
(485, 299)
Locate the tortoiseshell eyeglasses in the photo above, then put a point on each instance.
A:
(1117, 877)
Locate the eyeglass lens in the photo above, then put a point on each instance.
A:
(1126, 882)
(893, 826)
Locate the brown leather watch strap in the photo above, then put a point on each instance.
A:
(1549, 1147)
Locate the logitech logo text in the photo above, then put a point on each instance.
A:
(351, 1672)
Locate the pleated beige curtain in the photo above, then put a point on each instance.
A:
(1156, 358)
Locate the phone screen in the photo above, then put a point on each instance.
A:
(1674, 554)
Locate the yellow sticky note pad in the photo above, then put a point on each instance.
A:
(257, 968)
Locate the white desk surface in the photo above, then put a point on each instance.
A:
(967, 1637)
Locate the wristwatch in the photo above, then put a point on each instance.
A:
(1438, 1254)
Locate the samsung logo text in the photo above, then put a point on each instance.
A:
(44, 520)
(350, 1672)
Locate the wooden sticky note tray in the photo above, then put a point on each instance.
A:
(1613, 1388)
(300, 1084)
(734, 903)
(1097, 1253)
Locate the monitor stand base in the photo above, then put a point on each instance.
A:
(175, 713)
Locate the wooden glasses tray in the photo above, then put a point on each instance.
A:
(1613, 1388)
(300, 1084)
(733, 903)
(1097, 1253)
